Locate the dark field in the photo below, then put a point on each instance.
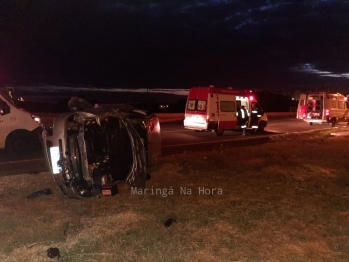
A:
(287, 200)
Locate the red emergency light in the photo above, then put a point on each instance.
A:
(251, 98)
(345, 98)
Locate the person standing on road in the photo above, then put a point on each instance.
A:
(242, 118)
(256, 113)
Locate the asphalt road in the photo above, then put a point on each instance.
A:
(175, 139)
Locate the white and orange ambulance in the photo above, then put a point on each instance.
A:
(214, 109)
(323, 107)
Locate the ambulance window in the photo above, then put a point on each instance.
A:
(227, 106)
(333, 103)
(341, 104)
(201, 105)
(191, 104)
(238, 104)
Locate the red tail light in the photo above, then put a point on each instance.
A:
(151, 126)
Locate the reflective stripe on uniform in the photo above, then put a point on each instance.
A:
(259, 115)
(254, 126)
(242, 113)
(244, 126)
(255, 111)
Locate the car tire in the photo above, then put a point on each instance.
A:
(20, 142)
(261, 128)
(219, 132)
(333, 121)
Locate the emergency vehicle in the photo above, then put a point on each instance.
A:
(214, 109)
(302, 106)
(19, 130)
(323, 107)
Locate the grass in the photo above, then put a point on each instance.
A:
(287, 200)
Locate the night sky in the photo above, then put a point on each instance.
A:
(176, 44)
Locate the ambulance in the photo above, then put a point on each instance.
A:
(323, 107)
(19, 130)
(214, 109)
(302, 108)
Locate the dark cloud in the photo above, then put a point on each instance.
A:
(159, 43)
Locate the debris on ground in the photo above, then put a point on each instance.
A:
(169, 222)
(46, 191)
(53, 252)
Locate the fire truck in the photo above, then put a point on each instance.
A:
(323, 107)
(214, 109)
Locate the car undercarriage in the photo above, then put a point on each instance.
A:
(100, 147)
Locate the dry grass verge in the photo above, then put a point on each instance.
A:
(287, 200)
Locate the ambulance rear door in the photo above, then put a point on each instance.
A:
(196, 109)
(302, 107)
(212, 110)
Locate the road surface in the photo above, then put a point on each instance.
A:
(174, 139)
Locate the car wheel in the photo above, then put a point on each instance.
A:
(20, 142)
(219, 132)
(261, 128)
(333, 122)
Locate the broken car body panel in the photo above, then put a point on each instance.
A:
(101, 146)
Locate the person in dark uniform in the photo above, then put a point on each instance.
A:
(256, 113)
(242, 118)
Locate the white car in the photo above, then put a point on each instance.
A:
(19, 129)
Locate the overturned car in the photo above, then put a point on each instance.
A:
(90, 151)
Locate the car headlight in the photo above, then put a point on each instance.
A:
(55, 157)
